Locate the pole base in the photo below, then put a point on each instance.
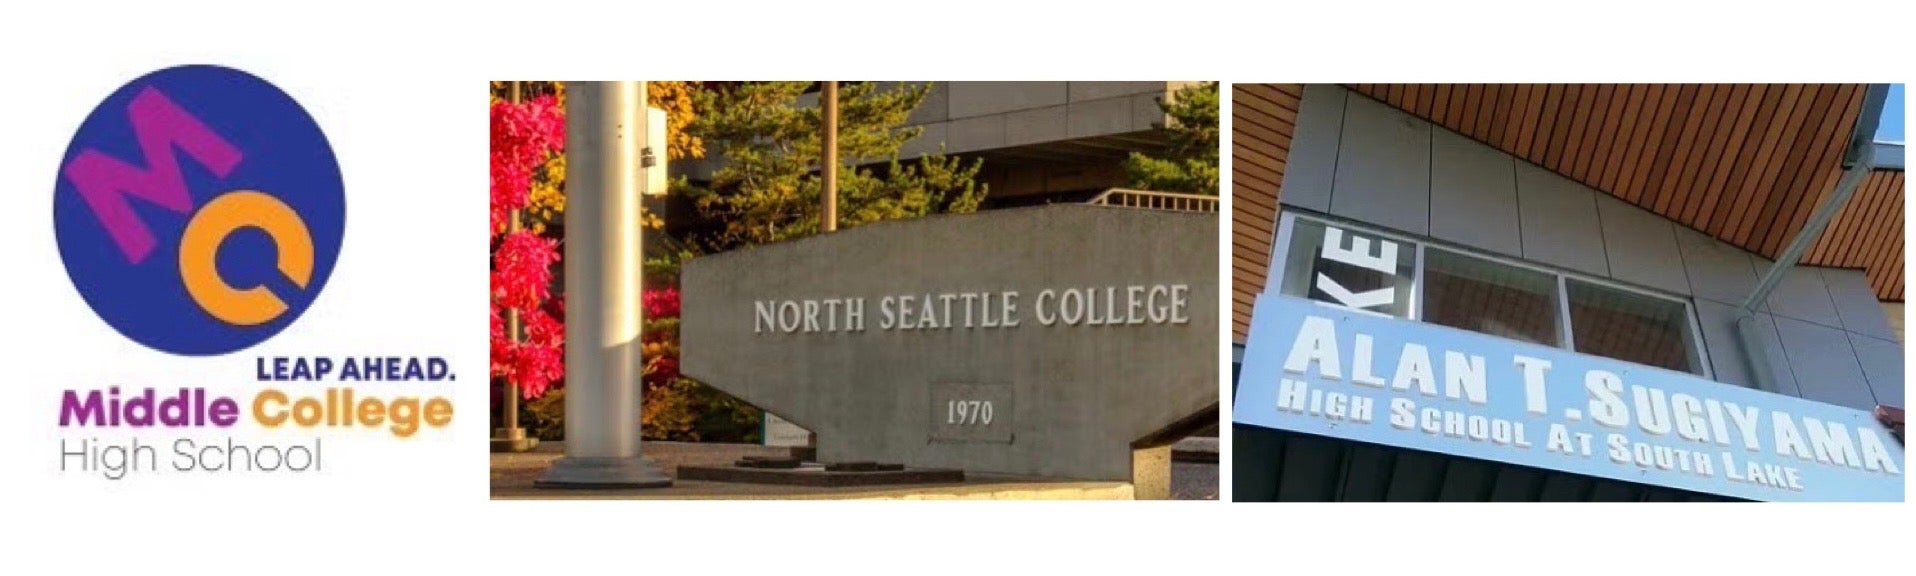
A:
(512, 440)
(581, 472)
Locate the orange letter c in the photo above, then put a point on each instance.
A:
(199, 252)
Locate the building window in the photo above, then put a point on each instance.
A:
(1417, 280)
(1626, 325)
(1498, 299)
(1350, 268)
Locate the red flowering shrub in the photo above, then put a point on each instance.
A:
(661, 338)
(522, 270)
(523, 137)
(662, 303)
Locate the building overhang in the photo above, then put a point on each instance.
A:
(1744, 163)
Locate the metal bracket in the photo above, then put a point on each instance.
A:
(1857, 162)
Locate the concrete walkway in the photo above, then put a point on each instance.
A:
(512, 477)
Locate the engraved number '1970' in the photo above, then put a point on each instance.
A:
(968, 412)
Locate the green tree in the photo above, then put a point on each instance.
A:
(768, 187)
(1190, 162)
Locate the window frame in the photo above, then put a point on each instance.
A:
(1564, 334)
(1287, 224)
(1697, 350)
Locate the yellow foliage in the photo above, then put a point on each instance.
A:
(544, 416)
(547, 204)
(548, 187)
(668, 412)
(675, 98)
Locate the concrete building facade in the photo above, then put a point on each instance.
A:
(1505, 233)
(1041, 141)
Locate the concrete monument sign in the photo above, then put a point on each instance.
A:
(1047, 341)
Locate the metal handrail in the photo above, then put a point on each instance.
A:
(1173, 201)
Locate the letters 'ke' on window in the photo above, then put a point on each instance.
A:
(1359, 269)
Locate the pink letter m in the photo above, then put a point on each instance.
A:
(105, 182)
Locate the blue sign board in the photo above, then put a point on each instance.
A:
(1332, 371)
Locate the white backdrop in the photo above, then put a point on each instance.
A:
(398, 91)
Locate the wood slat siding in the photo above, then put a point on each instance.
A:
(1262, 118)
(1868, 234)
(1745, 163)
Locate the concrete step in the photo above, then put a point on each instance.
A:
(1195, 449)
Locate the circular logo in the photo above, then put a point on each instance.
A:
(199, 210)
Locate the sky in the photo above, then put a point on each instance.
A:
(1891, 128)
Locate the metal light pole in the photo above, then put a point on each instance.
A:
(606, 125)
(828, 184)
(828, 168)
(510, 437)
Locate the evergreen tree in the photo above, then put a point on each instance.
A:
(1190, 164)
(767, 188)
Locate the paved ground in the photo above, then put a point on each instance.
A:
(513, 476)
(1192, 478)
(1194, 473)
